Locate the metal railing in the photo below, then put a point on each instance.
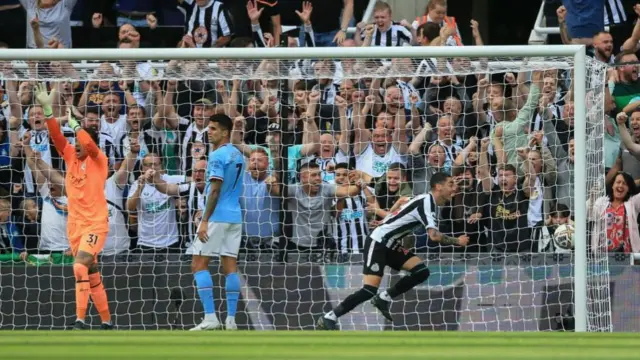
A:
(540, 29)
(351, 30)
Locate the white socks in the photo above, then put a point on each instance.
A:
(210, 317)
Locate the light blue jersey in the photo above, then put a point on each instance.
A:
(226, 163)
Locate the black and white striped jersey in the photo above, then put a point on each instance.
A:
(350, 225)
(209, 23)
(614, 12)
(195, 205)
(396, 35)
(419, 211)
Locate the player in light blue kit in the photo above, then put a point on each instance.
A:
(220, 231)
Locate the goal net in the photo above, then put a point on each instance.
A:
(502, 127)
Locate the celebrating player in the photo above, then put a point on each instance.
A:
(225, 172)
(88, 219)
(384, 248)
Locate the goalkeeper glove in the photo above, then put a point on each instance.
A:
(45, 99)
(73, 123)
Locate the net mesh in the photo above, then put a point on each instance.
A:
(489, 122)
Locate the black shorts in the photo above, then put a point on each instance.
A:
(377, 256)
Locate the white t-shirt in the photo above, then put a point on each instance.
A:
(376, 165)
(53, 230)
(536, 202)
(157, 225)
(118, 238)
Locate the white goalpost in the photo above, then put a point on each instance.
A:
(518, 301)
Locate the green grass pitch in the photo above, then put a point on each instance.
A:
(298, 345)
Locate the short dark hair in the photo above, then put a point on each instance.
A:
(223, 120)
(241, 42)
(429, 30)
(95, 136)
(342, 165)
(125, 41)
(508, 167)
(91, 110)
(628, 179)
(310, 165)
(618, 58)
(438, 178)
(561, 210)
(397, 166)
(461, 170)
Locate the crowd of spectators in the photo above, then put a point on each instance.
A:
(506, 138)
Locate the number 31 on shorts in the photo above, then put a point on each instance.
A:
(92, 239)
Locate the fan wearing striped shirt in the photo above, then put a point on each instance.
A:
(209, 25)
(387, 33)
(350, 223)
(384, 248)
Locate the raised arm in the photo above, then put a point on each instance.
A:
(15, 107)
(37, 35)
(400, 133)
(416, 121)
(564, 32)
(305, 18)
(475, 31)
(165, 187)
(631, 44)
(166, 116)
(498, 145)
(236, 136)
(350, 190)
(45, 99)
(471, 147)
(416, 145)
(344, 125)
(526, 113)
(86, 93)
(347, 13)
(483, 172)
(626, 138)
(311, 136)
(122, 175)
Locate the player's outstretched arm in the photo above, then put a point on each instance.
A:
(45, 100)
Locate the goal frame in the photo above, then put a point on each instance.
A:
(576, 51)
